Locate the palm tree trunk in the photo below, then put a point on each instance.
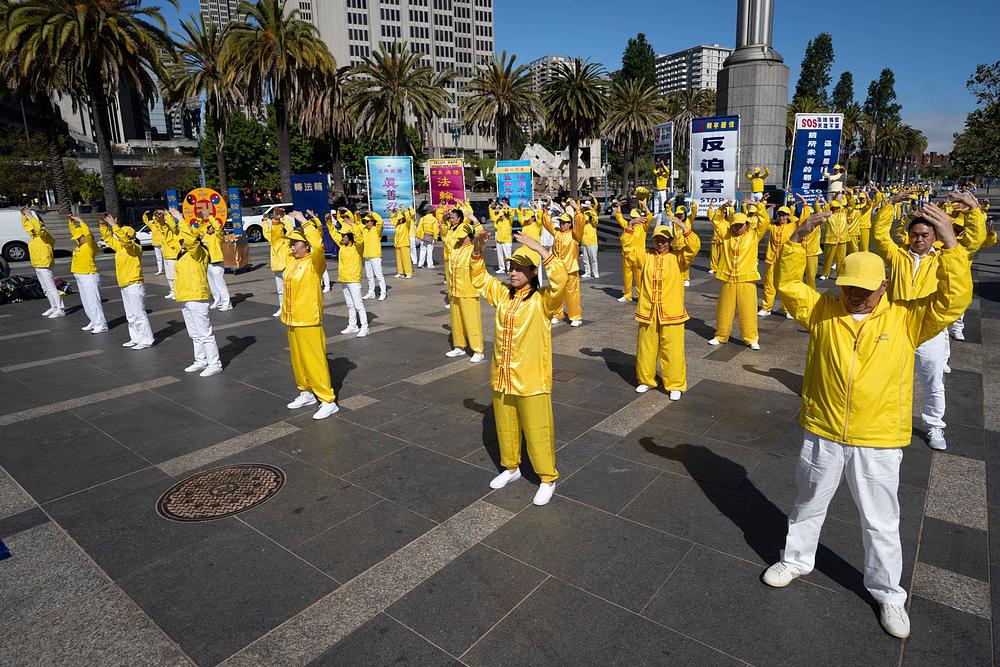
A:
(220, 156)
(284, 146)
(335, 164)
(574, 155)
(54, 150)
(102, 136)
(625, 165)
(635, 159)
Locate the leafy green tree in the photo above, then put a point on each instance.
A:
(814, 75)
(638, 62)
(882, 110)
(977, 147)
(22, 176)
(843, 93)
(575, 102)
(634, 108)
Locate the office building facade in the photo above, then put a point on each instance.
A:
(694, 68)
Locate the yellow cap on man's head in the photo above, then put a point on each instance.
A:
(862, 269)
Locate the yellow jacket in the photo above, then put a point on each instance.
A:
(533, 228)
(41, 243)
(411, 216)
(502, 225)
(128, 257)
(757, 180)
(633, 238)
(428, 227)
(154, 230)
(813, 240)
(858, 385)
(738, 255)
(522, 329)
(168, 233)
(303, 302)
(661, 285)
(662, 175)
(777, 235)
(566, 245)
(402, 223)
(859, 215)
(837, 228)
(589, 227)
(213, 243)
(83, 254)
(349, 257)
(274, 232)
(372, 238)
(459, 274)
(191, 279)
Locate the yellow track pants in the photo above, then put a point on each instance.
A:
(312, 372)
(466, 323)
(403, 264)
(737, 299)
(831, 252)
(771, 281)
(666, 342)
(812, 266)
(533, 416)
(571, 302)
(631, 274)
(866, 237)
(714, 257)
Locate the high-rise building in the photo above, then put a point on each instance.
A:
(220, 12)
(697, 67)
(541, 72)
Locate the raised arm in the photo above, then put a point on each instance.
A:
(799, 298)
(489, 287)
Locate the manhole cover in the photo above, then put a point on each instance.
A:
(220, 492)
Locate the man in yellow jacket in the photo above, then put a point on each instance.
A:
(128, 270)
(660, 312)
(466, 317)
(661, 176)
(427, 233)
(739, 275)
(167, 228)
(371, 230)
(88, 280)
(41, 253)
(777, 235)
(401, 223)
(757, 178)
(211, 236)
(633, 240)
(156, 239)
(588, 244)
(857, 405)
(566, 248)
(836, 235)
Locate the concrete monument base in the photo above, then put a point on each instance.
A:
(758, 92)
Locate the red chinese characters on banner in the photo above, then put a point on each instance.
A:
(447, 180)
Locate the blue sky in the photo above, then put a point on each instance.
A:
(932, 47)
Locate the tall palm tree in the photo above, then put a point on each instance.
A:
(500, 99)
(634, 107)
(393, 85)
(197, 71)
(575, 101)
(683, 106)
(102, 44)
(325, 114)
(890, 142)
(269, 54)
(855, 126)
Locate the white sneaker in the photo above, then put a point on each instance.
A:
(596, 276)
(935, 438)
(89, 327)
(302, 400)
(763, 313)
(398, 275)
(326, 289)
(675, 395)
(381, 297)
(128, 343)
(350, 329)
(448, 306)
(210, 371)
(715, 341)
(822, 277)
(456, 352)
(754, 346)
(505, 478)
(894, 620)
(576, 323)
(779, 575)
(556, 320)
(48, 312)
(228, 306)
(363, 332)
(958, 335)
(368, 297)
(57, 313)
(195, 367)
(788, 316)
(325, 410)
(622, 299)
(544, 493)
(642, 388)
(141, 346)
(476, 358)
(99, 330)
(501, 271)
(213, 306)
(277, 313)
(947, 369)
(158, 273)
(687, 283)
(711, 272)
(169, 295)
(583, 277)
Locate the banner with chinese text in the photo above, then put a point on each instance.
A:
(310, 192)
(514, 181)
(715, 147)
(815, 149)
(390, 184)
(663, 142)
(447, 180)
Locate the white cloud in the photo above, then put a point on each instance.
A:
(938, 126)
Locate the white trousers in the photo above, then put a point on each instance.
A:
(756, 196)
(873, 477)
(931, 358)
(170, 265)
(958, 326)
(90, 295)
(590, 269)
(546, 239)
(373, 273)
(659, 201)
(352, 297)
(503, 252)
(279, 284)
(48, 283)
(414, 251)
(158, 252)
(199, 327)
(426, 254)
(326, 280)
(134, 300)
(217, 284)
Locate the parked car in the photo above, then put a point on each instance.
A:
(253, 220)
(13, 238)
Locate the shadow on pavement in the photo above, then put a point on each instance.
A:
(235, 347)
(621, 363)
(792, 381)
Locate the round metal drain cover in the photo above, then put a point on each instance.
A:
(220, 492)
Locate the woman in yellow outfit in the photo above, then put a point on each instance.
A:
(41, 253)
(302, 313)
(349, 261)
(811, 243)
(660, 312)
(402, 223)
(466, 317)
(128, 270)
(719, 219)
(739, 276)
(88, 280)
(427, 231)
(171, 248)
(836, 235)
(588, 244)
(211, 231)
(275, 230)
(781, 229)
(566, 248)
(157, 240)
(633, 239)
(521, 372)
(500, 216)
(192, 291)
(681, 213)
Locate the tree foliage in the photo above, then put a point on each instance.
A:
(500, 100)
(843, 92)
(638, 62)
(977, 147)
(880, 105)
(814, 75)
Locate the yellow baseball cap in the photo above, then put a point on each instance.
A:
(836, 204)
(738, 219)
(127, 231)
(862, 269)
(634, 213)
(784, 209)
(522, 258)
(664, 230)
(296, 235)
(566, 217)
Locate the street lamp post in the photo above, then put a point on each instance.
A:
(456, 135)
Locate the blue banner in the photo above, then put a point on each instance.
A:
(390, 187)
(514, 181)
(172, 200)
(816, 150)
(311, 192)
(236, 211)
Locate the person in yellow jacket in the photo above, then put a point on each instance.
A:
(566, 248)
(427, 233)
(350, 259)
(371, 230)
(521, 370)
(211, 235)
(88, 280)
(681, 212)
(411, 216)
(739, 275)
(836, 235)
(193, 293)
(859, 215)
(633, 240)
(275, 231)
(719, 219)
(757, 178)
(857, 404)
(588, 244)
(501, 216)
(777, 235)
(171, 247)
(661, 177)
(463, 298)
(452, 235)
(660, 312)
(812, 243)
(128, 271)
(401, 223)
(302, 313)
(835, 179)
(156, 238)
(969, 223)
(41, 252)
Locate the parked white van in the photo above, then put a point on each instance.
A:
(13, 238)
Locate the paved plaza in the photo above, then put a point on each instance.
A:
(385, 544)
